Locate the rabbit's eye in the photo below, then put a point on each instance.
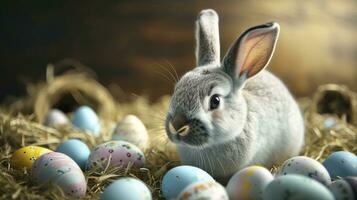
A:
(214, 101)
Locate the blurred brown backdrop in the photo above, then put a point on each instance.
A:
(126, 42)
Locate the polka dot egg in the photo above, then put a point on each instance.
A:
(117, 153)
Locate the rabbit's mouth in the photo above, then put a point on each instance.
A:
(189, 132)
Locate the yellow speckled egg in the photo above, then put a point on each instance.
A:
(26, 156)
(249, 183)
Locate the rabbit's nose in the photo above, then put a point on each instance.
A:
(179, 124)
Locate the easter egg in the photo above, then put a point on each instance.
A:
(352, 180)
(132, 130)
(86, 119)
(126, 189)
(329, 122)
(341, 163)
(305, 166)
(342, 190)
(55, 117)
(249, 183)
(176, 179)
(293, 186)
(210, 190)
(117, 153)
(26, 156)
(75, 149)
(58, 169)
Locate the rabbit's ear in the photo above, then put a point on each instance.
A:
(207, 37)
(251, 52)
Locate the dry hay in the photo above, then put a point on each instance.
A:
(17, 130)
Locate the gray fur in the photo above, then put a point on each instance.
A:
(258, 121)
(207, 37)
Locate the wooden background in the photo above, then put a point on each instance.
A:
(126, 42)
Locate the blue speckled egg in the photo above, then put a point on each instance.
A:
(305, 166)
(342, 190)
(249, 183)
(55, 117)
(59, 169)
(296, 187)
(176, 179)
(86, 119)
(126, 189)
(75, 149)
(341, 163)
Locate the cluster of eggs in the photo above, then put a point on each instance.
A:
(130, 128)
(65, 166)
(299, 177)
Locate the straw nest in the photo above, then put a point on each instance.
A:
(329, 118)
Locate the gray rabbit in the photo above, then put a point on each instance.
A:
(226, 115)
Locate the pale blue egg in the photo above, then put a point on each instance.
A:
(341, 163)
(86, 119)
(294, 186)
(176, 179)
(75, 149)
(329, 122)
(126, 189)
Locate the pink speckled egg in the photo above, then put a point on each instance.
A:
(58, 169)
(117, 153)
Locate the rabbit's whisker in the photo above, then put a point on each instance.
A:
(173, 69)
(165, 77)
(165, 69)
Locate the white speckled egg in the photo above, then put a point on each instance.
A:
(249, 183)
(55, 117)
(210, 190)
(132, 129)
(126, 189)
(305, 166)
(296, 187)
(178, 178)
(118, 153)
(342, 190)
(59, 169)
(87, 120)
